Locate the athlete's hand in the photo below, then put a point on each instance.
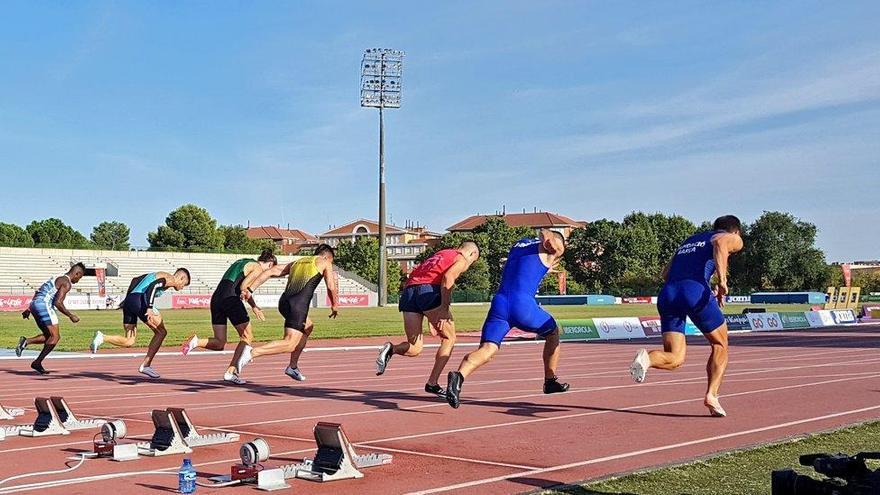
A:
(444, 319)
(259, 314)
(153, 319)
(26, 314)
(334, 312)
(720, 292)
(74, 318)
(246, 294)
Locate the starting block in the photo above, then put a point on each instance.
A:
(69, 420)
(10, 413)
(176, 434)
(335, 459)
(54, 417)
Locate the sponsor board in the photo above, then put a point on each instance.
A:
(583, 329)
(190, 301)
(814, 319)
(14, 303)
(827, 317)
(636, 300)
(619, 328)
(738, 299)
(650, 326)
(738, 322)
(349, 300)
(794, 319)
(843, 316)
(765, 322)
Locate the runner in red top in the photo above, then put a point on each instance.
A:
(427, 293)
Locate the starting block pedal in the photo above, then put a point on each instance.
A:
(48, 421)
(335, 459)
(10, 413)
(176, 434)
(69, 420)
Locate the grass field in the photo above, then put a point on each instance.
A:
(353, 322)
(740, 473)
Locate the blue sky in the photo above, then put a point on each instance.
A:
(125, 110)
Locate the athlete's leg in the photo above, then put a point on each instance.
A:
(288, 344)
(52, 334)
(245, 337)
(673, 353)
(551, 353)
(474, 360)
(717, 364)
(217, 342)
(126, 340)
(159, 334)
(37, 339)
(297, 352)
(412, 326)
(447, 344)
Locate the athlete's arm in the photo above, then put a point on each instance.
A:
(59, 301)
(252, 269)
(722, 246)
(460, 266)
(332, 290)
(248, 287)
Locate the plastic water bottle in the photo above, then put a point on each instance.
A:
(186, 477)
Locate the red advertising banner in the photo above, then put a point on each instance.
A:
(847, 274)
(563, 283)
(99, 274)
(190, 301)
(650, 325)
(349, 300)
(14, 303)
(637, 300)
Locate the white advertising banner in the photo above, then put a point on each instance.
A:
(765, 322)
(619, 328)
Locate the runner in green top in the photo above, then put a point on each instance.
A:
(226, 304)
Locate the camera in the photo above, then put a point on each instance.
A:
(844, 475)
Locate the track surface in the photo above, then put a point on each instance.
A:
(507, 436)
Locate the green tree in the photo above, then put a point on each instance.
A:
(12, 235)
(188, 228)
(111, 235)
(53, 233)
(476, 278)
(236, 240)
(779, 253)
(362, 258)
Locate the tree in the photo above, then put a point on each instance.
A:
(495, 239)
(111, 235)
(53, 233)
(236, 240)
(362, 258)
(779, 253)
(188, 228)
(12, 235)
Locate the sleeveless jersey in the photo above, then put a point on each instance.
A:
(47, 292)
(304, 276)
(524, 269)
(432, 269)
(230, 284)
(694, 259)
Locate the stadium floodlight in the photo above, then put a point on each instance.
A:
(381, 81)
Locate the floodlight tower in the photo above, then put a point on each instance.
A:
(381, 76)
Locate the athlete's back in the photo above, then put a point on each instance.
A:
(524, 269)
(694, 259)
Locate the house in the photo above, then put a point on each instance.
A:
(403, 244)
(289, 241)
(536, 220)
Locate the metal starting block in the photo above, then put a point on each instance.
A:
(10, 413)
(54, 417)
(335, 459)
(176, 434)
(69, 420)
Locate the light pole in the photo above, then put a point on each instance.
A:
(381, 75)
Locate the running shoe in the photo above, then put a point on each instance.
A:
(233, 378)
(436, 390)
(384, 356)
(96, 342)
(295, 373)
(640, 366)
(149, 371)
(715, 409)
(245, 358)
(454, 381)
(22, 344)
(189, 345)
(552, 386)
(39, 368)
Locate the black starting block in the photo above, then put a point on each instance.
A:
(176, 434)
(54, 417)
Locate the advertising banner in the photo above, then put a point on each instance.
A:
(14, 303)
(190, 301)
(843, 316)
(583, 329)
(636, 300)
(650, 326)
(352, 300)
(814, 319)
(99, 275)
(619, 328)
(738, 299)
(765, 322)
(738, 322)
(827, 317)
(794, 319)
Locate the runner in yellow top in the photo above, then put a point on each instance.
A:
(303, 277)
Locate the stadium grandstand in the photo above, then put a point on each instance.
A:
(22, 270)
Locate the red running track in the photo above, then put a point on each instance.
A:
(507, 436)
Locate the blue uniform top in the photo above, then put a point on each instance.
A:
(47, 292)
(149, 285)
(524, 269)
(695, 259)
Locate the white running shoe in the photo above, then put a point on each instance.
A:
(245, 358)
(189, 345)
(295, 373)
(233, 378)
(149, 371)
(640, 365)
(715, 409)
(384, 356)
(96, 342)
